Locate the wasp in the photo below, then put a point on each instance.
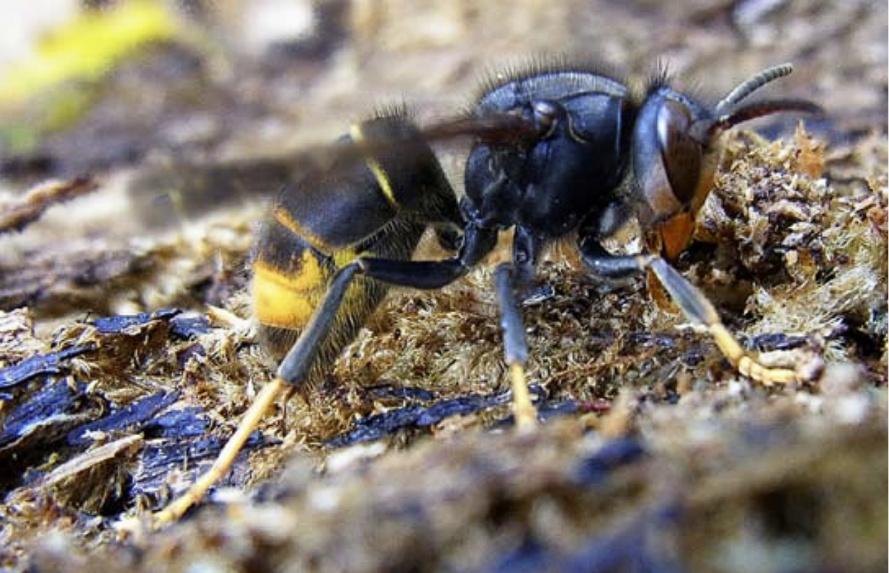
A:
(557, 151)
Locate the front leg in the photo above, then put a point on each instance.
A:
(694, 305)
(603, 265)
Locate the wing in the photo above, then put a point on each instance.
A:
(163, 195)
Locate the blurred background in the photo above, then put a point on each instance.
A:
(162, 113)
(95, 85)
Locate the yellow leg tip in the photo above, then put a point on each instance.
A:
(174, 511)
(226, 458)
(750, 366)
(523, 409)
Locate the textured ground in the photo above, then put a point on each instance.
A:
(656, 456)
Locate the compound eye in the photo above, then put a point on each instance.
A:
(680, 154)
(670, 166)
(545, 115)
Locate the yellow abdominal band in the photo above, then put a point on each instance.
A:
(287, 301)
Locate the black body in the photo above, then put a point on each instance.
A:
(572, 169)
(583, 154)
(557, 151)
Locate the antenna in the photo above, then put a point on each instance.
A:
(750, 85)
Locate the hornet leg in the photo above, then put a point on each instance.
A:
(515, 347)
(301, 357)
(694, 306)
(291, 371)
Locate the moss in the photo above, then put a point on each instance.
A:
(670, 455)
